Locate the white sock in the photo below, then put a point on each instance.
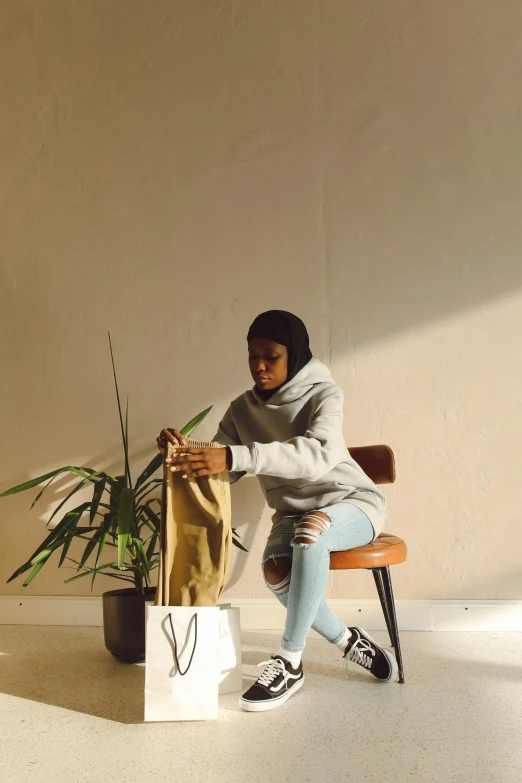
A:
(344, 641)
(292, 657)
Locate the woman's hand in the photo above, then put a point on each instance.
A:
(201, 462)
(175, 437)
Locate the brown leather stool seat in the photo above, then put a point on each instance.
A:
(386, 550)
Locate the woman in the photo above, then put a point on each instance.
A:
(288, 432)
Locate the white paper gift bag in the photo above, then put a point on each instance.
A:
(230, 664)
(182, 663)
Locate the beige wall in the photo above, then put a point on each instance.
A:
(169, 169)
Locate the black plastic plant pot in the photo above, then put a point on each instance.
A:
(124, 622)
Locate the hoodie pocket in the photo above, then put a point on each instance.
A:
(299, 486)
(305, 497)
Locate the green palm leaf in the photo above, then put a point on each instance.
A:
(43, 555)
(73, 531)
(34, 482)
(64, 501)
(195, 422)
(235, 540)
(99, 489)
(238, 544)
(125, 520)
(147, 488)
(100, 570)
(39, 495)
(33, 573)
(105, 530)
(89, 549)
(154, 518)
(125, 445)
(115, 494)
(151, 468)
(152, 546)
(141, 554)
(71, 518)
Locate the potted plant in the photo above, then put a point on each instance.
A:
(122, 517)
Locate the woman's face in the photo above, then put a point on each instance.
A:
(268, 363)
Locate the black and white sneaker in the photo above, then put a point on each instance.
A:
(278, 682)
(365, 651)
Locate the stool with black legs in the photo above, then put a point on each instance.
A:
(378, 463)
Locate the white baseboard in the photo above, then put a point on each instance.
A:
(267, 614)
(50, 610)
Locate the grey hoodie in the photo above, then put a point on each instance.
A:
(294, 444)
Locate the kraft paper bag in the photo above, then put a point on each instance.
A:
(195, 535)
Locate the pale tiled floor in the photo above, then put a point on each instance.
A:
(70, 712)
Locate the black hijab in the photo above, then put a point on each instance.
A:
(286, 329)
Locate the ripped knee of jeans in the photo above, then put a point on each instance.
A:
(310, 528)
(277, 571)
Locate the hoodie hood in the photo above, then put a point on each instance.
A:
(310, 375)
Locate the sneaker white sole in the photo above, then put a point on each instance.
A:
(262, 706)
(394, 676)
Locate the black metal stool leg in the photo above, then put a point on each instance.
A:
(382, 597)
(388, 592)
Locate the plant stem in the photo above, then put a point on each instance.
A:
(127, 466)
(138, 580)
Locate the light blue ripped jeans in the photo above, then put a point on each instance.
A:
(302, 591)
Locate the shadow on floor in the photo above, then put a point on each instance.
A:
(267, 642)
(69, 667)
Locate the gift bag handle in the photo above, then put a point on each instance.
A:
(176, 644)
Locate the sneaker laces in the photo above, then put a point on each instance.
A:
(358, 653)
(273, 668)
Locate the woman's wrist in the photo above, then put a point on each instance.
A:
(229, 458)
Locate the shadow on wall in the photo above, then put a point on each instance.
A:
(399, 185)
(248, 499)
(357, 164)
